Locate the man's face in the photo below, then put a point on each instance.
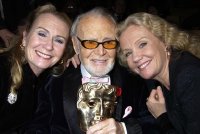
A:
(98, 61)
(96, 102)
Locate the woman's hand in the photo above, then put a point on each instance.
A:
(75, 61)
(156, 102)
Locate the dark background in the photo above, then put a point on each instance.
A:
(185, 13)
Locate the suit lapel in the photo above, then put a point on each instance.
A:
(116, 80)
(73, 81)
(70, 88)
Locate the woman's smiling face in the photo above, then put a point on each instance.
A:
(45, 42)
(145, 54)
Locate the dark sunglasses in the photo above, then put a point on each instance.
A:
(91, 44)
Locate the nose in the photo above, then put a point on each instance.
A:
(49, 44)
(100, 50)
(136, 57)
(100, 109)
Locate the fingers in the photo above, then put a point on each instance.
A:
(108, 126)
(97, 128)
(156, 102)
(153, 95)
(159, 92)
(67, 63)
(75, 61)
(156, 94)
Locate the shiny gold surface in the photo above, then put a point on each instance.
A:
(96, 102)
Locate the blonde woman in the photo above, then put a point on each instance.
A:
(42, 46)
(155, 49)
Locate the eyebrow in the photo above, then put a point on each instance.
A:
(144, 37)
(42, 28)
(49, 32)
(126, 49)
(108, 38)
(96, 39)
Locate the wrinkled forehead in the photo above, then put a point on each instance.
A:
(102, 92)
(97, 91)
(98, 28)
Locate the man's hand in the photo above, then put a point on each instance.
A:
(6, 36)
(156, 102)
(108, 126)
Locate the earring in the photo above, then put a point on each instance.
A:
(167, 49)
(12, 97)
(61, 61)
(22, 46)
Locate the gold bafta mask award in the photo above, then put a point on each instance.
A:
(96, 102)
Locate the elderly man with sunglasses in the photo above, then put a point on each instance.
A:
(93, 37)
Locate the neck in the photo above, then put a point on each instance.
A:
(84, 72)
(35, 70)
(163, 77)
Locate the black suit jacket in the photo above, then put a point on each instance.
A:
(57, 102)
(73, 80)
(14, 116)
(182, 100)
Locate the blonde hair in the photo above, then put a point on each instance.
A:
(16, 52)
(169, 34)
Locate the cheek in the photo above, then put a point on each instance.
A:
(131, 64)
(84, 54)
(112, 53)
(30, 45)
(32, 40)
(59, 51)
(28, 51)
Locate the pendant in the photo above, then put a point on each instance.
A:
(12, 98)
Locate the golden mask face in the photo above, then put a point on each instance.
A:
(96, 102)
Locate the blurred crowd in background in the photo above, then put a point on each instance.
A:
(184, 13)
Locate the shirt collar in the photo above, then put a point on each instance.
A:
(84, 72)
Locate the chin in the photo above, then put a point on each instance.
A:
(99, 70)
(43, 67)
(147, 76)
(98, 73)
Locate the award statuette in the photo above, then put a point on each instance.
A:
(96, 102)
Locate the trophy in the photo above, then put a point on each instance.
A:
(96, 102)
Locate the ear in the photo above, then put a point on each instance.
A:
(24, 38)
(168, 50)
(75, 45)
